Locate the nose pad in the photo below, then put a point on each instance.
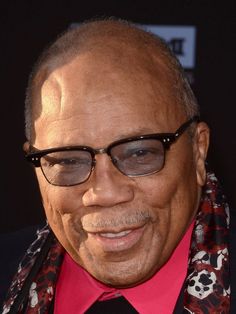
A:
(114, 163)
(93, 165)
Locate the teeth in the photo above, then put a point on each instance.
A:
(115, 235)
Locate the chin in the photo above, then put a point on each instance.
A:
(118, 282)
(122, 276)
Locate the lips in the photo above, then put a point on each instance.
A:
(117, 241)
(111, 235)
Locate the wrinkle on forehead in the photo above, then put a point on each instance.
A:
(51, 92)
(124, 52)
(90, 72)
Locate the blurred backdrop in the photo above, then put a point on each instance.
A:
(201, 33)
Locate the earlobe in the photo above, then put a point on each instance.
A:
(201, 147)
(26, 147)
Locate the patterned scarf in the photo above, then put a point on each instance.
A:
(207, 288)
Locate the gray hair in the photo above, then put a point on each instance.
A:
(84, 38)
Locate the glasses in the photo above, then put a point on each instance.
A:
(134, 157)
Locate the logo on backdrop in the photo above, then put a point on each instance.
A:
(181, 39)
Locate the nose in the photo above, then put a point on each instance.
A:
(106, 186)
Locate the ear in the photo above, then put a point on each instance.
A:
(26, 147)
(201, 144)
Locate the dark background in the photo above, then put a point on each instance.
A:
(26, 28)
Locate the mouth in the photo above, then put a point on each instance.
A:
(112, 235)
(118, 241)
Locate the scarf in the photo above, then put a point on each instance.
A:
(206, 288)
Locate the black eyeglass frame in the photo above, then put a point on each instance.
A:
(167, 139)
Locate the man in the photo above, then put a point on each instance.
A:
(113, 131)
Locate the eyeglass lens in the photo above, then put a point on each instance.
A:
(133, 158)
(67, 168)
(138, 157)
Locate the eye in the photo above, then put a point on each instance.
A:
(139, 151)
(143, 155)
(70, 162)
(64, 162)
(143, 152)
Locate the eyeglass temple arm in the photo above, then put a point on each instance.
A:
(186, 125)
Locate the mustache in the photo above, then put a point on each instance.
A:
(136, 218)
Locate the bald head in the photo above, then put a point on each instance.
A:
(116, 44)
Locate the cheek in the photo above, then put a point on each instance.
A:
(173, 195)
(73, 231)
(159, 190)
(62, 208)
(59, 203)
(58, 199)
(169, 191)
(176, 185)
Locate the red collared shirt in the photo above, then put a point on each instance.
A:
(76, 290)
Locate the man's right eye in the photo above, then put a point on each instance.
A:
(69, 162)
(66, 162)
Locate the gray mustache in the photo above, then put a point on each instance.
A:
(128, 220)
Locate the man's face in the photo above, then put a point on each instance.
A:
(120, 229)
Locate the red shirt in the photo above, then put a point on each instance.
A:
(77, 290)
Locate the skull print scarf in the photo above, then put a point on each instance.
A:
(206, 287)
(207, 284)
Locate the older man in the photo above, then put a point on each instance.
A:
(113, 131)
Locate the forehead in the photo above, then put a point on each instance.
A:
(98, 89)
